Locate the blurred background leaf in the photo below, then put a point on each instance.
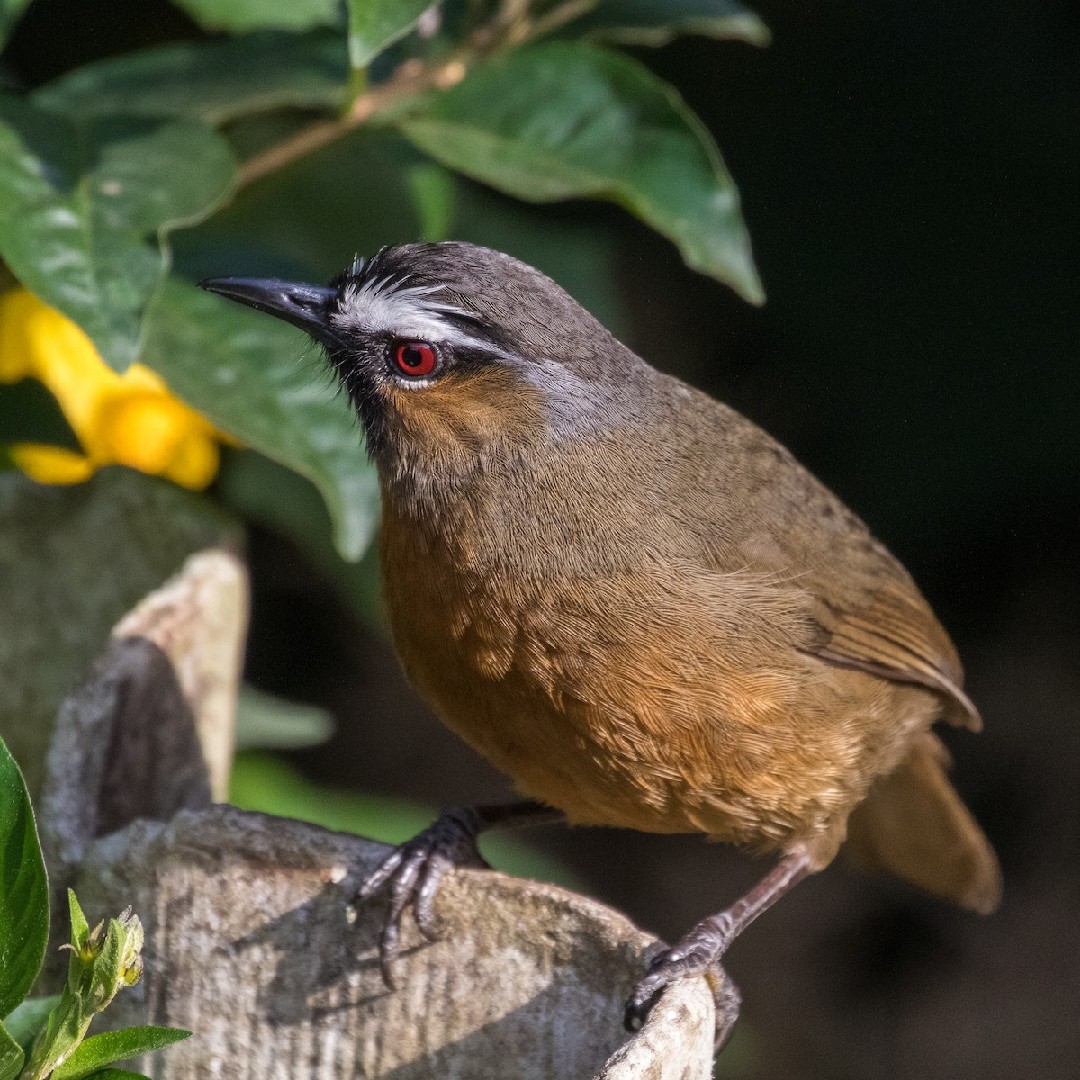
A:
(73, 561)
(270, 723)
(375, 24)
(11, 1055)
(29, 413)
(213, 81)
(655, 23)
(10, 10)
(80, 199)
(361, 187)
(29, 1017)
(245, 373)
(268, 494)
(256, 14)
(563, 119)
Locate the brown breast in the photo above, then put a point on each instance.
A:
(672, 701)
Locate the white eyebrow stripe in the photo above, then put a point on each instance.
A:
(380, 306)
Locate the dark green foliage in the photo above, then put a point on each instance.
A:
(45, 1037)
(24, 897)
(97, 167)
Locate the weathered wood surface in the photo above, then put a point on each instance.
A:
(249, 943)
(199, 621)
(152, 723)
(249, 946)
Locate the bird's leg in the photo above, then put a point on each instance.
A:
(415, 868)
(700, 951)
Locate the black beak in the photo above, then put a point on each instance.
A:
(305, 306)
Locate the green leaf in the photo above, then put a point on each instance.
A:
(433, 189)
(98, 1051)
(566, 119)
(267, 493)
(258, 14)
(656, 22)
(214, 81)
(80, 928)
(79, 199)
(242, 370)
(24, 893)
(11, 1055)
(117, 1074)
(375, 24)
(27, 1019)
(66, 1025)
(10, 12)
(263, 720)
(100, 962)
(264, 783)
(357, 197)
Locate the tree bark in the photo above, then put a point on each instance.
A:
(249, 945)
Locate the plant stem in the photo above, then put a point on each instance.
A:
(412, 78)
(559, 16)
(510, 26)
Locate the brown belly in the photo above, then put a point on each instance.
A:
(650, 706)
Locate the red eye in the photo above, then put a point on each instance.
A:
(416, 358)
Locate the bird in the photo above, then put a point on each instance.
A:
(631, 599)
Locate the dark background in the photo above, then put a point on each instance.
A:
(909, 173)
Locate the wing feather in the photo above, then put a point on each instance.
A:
(896, 636)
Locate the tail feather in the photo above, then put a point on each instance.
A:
(914, 825)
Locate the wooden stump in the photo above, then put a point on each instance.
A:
(249, 945)
(251, 940)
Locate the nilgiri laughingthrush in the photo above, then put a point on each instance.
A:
(630, 598)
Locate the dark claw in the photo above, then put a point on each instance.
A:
(414, 871)
(381, 876)
(728, 1002)
(388, 950)
(425, 900)
(698, 953)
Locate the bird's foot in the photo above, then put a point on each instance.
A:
(414, 871)
(698, 953)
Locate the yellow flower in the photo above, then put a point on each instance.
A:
(51, 464)
(126, 419)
